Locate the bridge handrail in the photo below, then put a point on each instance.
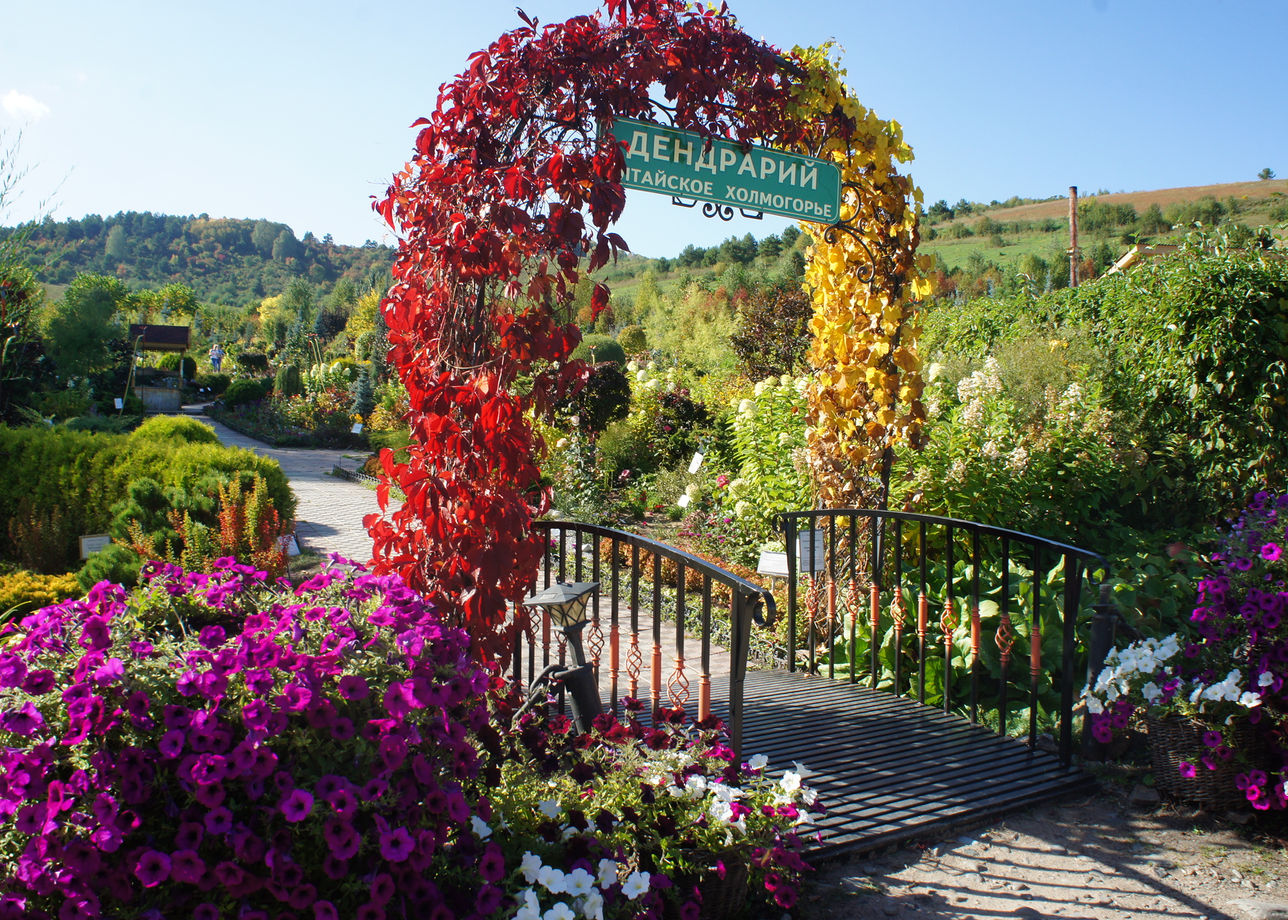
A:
(913, 634)
(742, 585)
(780, 521)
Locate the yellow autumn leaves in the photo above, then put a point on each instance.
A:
(865, 398)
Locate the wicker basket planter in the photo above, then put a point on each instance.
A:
(1177, 739)
(722, 898)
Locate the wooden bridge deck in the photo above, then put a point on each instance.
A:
(888, 768)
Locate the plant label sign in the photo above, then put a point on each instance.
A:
(92, 543)
(674, 162)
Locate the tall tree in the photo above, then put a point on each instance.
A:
(84, 328)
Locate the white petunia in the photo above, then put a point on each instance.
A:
(1152, 692)
(549, 807)
(636, 884)
(790, 782)
(758, 762)
(530, 865)
(579, 882)
(1250, 700)
(552, 880)
(560, 911)
(607, 874)
(722, 812)
(1266, 679)
(592, 906)
(695, 785)
(530, 909)
(481, 830)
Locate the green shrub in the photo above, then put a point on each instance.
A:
(242, 392)
(633, 339)
(1187, 356)
(597, 349)
(22, 592)
(175, 427)
(605, 398)
(289, 381)
(252, 362)
(216, 384)
(57, 484)
(110, 424)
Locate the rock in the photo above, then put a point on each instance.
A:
(1253, 909)
(1143, 796)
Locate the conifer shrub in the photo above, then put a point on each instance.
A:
(289, 381)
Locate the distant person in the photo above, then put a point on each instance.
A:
(216, 357)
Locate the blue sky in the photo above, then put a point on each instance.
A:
(299, 112)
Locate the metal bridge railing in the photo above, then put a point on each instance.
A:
(680, 599)
(950, 612)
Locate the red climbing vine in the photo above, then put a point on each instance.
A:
(511, 190)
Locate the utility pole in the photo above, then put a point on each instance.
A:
(1073, 236)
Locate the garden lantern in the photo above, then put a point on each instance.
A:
(567, 606)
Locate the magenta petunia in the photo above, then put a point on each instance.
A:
(218, 820)
(491, 865)
(396, 845)
(296, 805)
(353, 687)
(382, 888)
(186, 866)
(1187, 769)
(1271, 552)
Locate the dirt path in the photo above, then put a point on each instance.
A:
(1095, 857)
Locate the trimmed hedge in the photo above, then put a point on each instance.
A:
(57, 484)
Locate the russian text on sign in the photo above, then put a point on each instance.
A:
(667, 160)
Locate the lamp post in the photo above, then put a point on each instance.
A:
(567, 606)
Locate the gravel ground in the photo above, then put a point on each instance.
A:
(1094, 856)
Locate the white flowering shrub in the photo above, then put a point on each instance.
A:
(1051, 466)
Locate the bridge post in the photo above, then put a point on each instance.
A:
(1103, 623)
(741, 642)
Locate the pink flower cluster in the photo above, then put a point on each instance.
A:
(213, 746)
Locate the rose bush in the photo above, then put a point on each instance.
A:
(1230, 671)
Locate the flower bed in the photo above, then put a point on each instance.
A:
(1228, 675)
(222, 746)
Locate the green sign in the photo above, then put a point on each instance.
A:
(674, 162)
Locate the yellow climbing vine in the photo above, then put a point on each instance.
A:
(865, 398)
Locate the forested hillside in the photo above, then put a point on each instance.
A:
(222, 260)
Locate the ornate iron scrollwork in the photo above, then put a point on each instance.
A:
(852, 226)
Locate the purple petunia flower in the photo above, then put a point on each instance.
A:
(219, 820)
(23, 721)
(186, 866)
(39, 682)
(491, 866)
(1187, 769)
(296, 805)
(353, 687)
(382, 888)
(396, 845)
